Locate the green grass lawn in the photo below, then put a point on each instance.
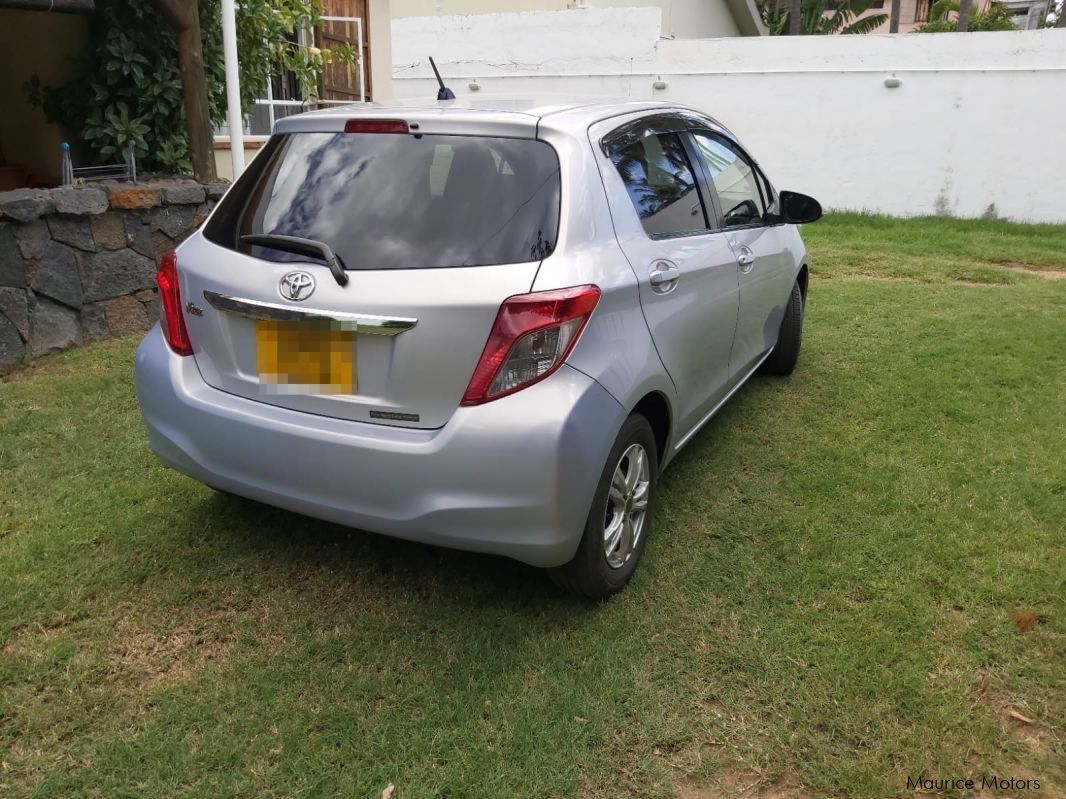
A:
(826, 606)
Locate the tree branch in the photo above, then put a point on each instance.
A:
(175, 12)
(184, 17)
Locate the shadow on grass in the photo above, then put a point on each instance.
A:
(248, 536)
(260, 537)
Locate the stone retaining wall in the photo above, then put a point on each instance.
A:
(77, 264)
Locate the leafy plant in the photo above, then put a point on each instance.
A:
(128, 86)
(821, 17)
(995, 18)
(114, 129)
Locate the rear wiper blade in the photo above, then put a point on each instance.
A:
(299, 246)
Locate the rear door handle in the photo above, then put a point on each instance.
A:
(663, 277)
(746, 258)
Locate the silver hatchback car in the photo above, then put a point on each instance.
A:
(479, 325)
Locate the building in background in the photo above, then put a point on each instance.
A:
(681, 19)
(33, 42)
(365, 25)
(36, 39)
(1027, 14)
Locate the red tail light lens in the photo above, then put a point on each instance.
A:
(375, 126)
(171, 320)
(531, 338)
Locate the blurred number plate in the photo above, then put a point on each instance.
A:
(305, 357)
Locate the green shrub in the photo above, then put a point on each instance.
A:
(996, 18)
(127, 85)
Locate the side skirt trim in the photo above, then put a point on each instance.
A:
(699, 425)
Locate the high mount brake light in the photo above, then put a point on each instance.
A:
(375, 126)
(531, 338)
(171, 320)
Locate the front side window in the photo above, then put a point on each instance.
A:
(734, 179)
(397, 201)
(661, 184)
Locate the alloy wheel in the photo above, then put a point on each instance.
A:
(627, 506)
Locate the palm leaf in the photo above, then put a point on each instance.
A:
(941, 8)
(821, 16)
(866, 24)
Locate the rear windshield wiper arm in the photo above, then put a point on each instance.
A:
(299, 246)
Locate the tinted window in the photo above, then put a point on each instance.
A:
(734, 180)
(661, 184)
(391, 201)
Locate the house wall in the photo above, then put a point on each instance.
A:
(908, 9)
(908, 13)
(224, 154)
(814, 110)
(589, 41)
(692, 19)
(34, 42)
(379, 34)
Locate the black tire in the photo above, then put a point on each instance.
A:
(782, 360)
(589, 574)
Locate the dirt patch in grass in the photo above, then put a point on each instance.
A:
(984, 284)
(145, 656)
(729, 784)
(883, 278)
(1046, 272)
(991, 282)
(1022, 724)
(920, 281)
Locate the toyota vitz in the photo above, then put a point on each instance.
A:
(487, 326)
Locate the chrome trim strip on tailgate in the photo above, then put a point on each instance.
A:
(360, 323)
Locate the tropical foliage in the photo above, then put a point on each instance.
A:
(128, 86)
(996, 18)
(822, 16)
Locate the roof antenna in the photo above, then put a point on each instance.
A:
(443, 93)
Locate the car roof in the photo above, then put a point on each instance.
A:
(537, 105)
(505, 114)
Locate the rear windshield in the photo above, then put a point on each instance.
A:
(398, 201)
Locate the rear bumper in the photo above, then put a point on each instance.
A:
(513, 477)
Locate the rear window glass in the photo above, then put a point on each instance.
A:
(661, 184)
(395, 201)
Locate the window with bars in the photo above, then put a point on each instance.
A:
(339, 84)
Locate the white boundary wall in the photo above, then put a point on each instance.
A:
(977, 125)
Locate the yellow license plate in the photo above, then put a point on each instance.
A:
(305, 357)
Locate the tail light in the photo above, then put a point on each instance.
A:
(530, 339)
(171, 320)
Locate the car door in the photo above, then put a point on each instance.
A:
(743, 197)
(687, 273)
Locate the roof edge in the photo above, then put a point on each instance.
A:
(55, 6)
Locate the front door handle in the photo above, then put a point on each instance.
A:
(746, 259)
(663, 277)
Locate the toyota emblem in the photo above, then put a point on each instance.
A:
(297, 286)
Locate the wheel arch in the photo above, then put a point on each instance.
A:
(655, 407)
(802, 278)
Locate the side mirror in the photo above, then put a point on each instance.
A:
(799, 209)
